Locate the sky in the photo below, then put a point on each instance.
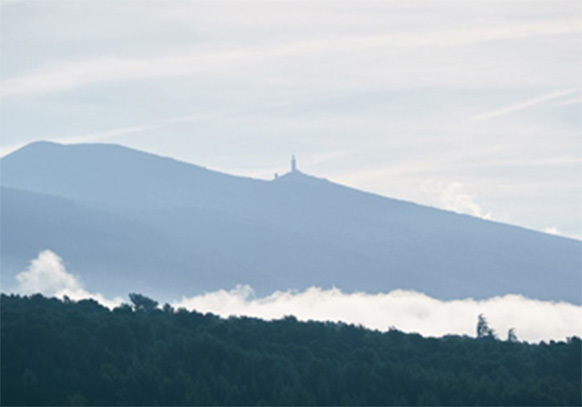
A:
(472, 106)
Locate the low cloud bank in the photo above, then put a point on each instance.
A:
(47, 275)
(408, 311)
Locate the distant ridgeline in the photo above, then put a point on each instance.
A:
(79, 353)
(126, 220)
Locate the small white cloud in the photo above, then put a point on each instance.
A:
(452, 196)
(552, 230)
(408, 311)
(47, 275)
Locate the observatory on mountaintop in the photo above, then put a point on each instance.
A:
(293, 167)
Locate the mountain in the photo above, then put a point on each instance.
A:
(126, 220)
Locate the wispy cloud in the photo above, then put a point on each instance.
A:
(525, 104)
(453, 197)
(72, 74)
(69, 75)
(112, 133)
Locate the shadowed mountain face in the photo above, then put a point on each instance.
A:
(125, 221)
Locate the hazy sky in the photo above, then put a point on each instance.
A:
(473, 106)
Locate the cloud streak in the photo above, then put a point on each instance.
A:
(65, 76)
(525, 105)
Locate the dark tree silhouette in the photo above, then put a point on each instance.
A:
(483, 329)
(142, 303)
(511, 336)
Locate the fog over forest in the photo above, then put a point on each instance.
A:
(406, 310)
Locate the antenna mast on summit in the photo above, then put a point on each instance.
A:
(293, 164)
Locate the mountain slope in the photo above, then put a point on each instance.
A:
(105, 249)
(218, 230)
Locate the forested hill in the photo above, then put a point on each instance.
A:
(74, 353)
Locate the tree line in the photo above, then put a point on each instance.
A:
(63, 352)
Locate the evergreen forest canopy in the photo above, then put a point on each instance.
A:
(62, 352)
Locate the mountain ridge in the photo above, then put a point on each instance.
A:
(217, 230)
(298, 177)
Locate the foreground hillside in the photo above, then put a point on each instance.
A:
(120, 217)
(80, 353)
